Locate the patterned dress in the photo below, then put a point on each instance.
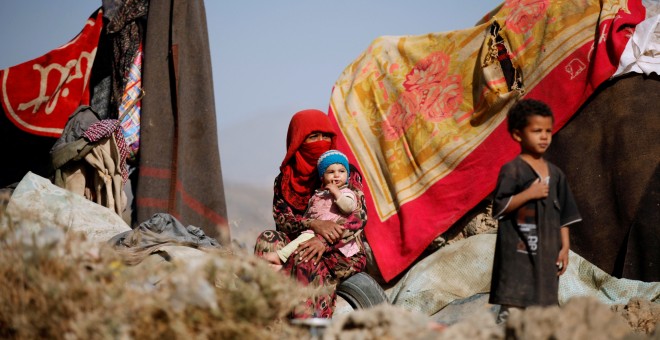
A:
(332, 268)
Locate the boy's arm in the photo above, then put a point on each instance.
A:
(569, 215)
(537, 190)
(562, 259)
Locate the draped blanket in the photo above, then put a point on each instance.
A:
(179, 168)
(424, 116)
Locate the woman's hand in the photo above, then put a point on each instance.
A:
(311, 249)
(330, 231)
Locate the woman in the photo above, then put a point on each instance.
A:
(317, 261)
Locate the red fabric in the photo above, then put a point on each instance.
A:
(299, 165)
(39, 95)
(397, 241)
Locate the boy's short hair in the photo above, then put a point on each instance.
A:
(520, 111)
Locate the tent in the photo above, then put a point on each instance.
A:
(173, 111)
(423, 116)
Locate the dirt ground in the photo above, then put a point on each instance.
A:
(57, 284)
(580, 318)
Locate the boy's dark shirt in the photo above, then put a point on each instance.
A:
(523, 274)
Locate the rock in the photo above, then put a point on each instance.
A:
(579, 318)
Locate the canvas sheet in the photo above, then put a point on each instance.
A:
(424, 116)
(37, 203)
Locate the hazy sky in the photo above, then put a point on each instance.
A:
(270, 58)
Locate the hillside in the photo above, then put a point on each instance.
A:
(249, 210)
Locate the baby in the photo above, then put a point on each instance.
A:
(334, 200)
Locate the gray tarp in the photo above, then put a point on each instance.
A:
(463, 269)
(162, 229)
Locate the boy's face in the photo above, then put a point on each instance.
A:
(535, 138)
(335, 174)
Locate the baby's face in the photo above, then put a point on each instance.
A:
(335, 174)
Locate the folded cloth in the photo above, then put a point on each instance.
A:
(642, 53)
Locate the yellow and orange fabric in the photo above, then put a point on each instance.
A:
(424, 116)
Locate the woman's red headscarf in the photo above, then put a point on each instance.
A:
(299, 178)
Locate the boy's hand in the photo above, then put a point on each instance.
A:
(562, 261)
(538, 190)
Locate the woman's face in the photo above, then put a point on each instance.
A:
(318, 136)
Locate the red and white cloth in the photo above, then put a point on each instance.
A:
(424, 116)
(39, 95)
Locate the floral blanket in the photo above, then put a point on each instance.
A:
(424, 116)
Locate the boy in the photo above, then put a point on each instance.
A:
(534, 206)
(329, 203)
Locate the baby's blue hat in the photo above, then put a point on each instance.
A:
(332, 157)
